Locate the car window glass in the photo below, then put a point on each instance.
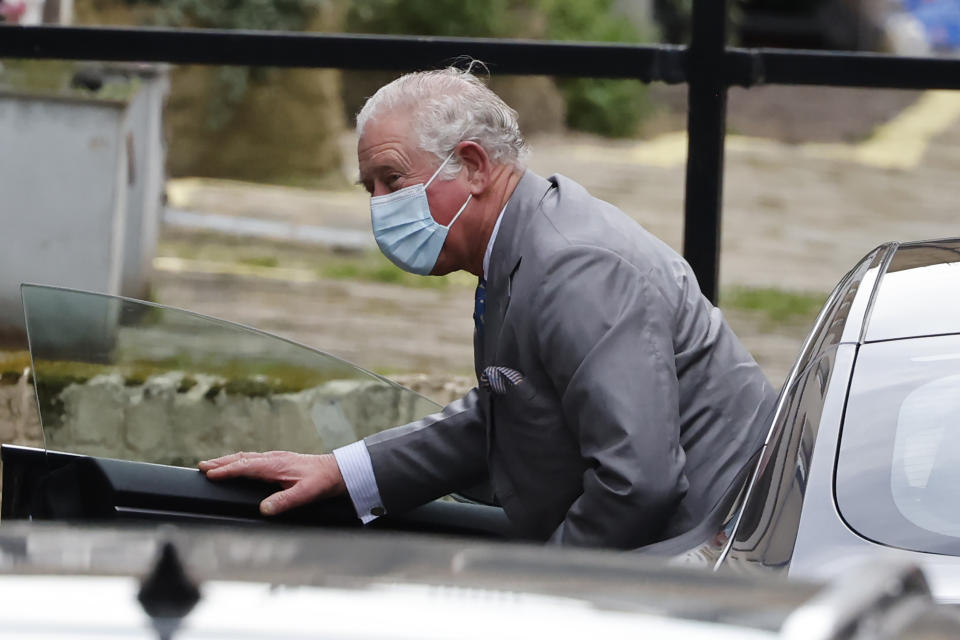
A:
(899, 462)
(766, 532)
(926, 456)
(133, 380)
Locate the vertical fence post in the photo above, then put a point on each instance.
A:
(706, 125)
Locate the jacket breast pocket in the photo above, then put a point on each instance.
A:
(524, 417)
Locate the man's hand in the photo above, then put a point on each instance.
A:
(304, 478)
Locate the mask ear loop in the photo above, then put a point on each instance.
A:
(470, 195)
(435, 174)
(439, 169)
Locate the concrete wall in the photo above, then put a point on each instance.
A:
(81, 182)
(61, 214)
(144, 131)
(161, 421)
(156, 420)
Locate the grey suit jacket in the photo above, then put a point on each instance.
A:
(638, 404)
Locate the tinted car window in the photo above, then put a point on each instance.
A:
(830, 326)
(767, 529)
(898, 471)
(132, 380)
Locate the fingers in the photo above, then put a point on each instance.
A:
(206, 465)
(303, 477)
(297, 495)
(248, 466)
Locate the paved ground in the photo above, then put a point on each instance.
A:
(797, 216)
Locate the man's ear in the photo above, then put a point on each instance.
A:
(476, 165)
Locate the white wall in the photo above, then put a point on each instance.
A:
(81, 182)
(61, 211)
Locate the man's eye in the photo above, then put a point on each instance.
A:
(393, 178)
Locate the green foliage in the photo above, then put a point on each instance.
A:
(587, 20)
(598, 105)
(488, 19)
(232, 82)
(613, 108)
(282, 15)
(603, 106)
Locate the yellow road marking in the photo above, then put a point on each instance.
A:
(897, 144)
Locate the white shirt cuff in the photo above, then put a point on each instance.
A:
(357, 472)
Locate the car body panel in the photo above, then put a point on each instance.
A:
(899, 292)
(432, 577)
(231, 610)
(841, 319)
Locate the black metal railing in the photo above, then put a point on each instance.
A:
(708, 66)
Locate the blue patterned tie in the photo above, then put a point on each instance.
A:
(479, 306)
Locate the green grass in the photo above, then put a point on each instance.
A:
(776, 306)
(365, 266)
(372, 266)
(259, 261)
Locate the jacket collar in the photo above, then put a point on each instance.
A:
(507, 253)
(520, 207)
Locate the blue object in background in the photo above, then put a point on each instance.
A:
(940, 20)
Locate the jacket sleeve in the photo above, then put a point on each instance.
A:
(429, 458)
(606, 340)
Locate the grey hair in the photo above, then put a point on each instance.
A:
(449, 106)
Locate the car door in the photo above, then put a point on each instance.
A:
(133, 394)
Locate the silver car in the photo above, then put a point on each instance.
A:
(863, 455)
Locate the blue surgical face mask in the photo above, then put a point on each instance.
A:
(404, 229)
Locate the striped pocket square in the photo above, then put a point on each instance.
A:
(499, 379)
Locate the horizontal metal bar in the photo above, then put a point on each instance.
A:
(650, 63)
(749, 67)
(342, 51)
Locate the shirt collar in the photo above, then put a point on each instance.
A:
(493, 238)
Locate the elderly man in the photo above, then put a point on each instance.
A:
(614, 405)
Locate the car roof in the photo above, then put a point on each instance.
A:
(919, 292)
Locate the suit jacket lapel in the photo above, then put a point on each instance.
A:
(506, 257)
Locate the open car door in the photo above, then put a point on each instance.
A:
(133, 394)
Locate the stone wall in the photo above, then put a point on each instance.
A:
(161, 421)
(170, 421)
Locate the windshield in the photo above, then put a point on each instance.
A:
(133, 380)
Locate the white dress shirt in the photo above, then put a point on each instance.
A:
(354, 459)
